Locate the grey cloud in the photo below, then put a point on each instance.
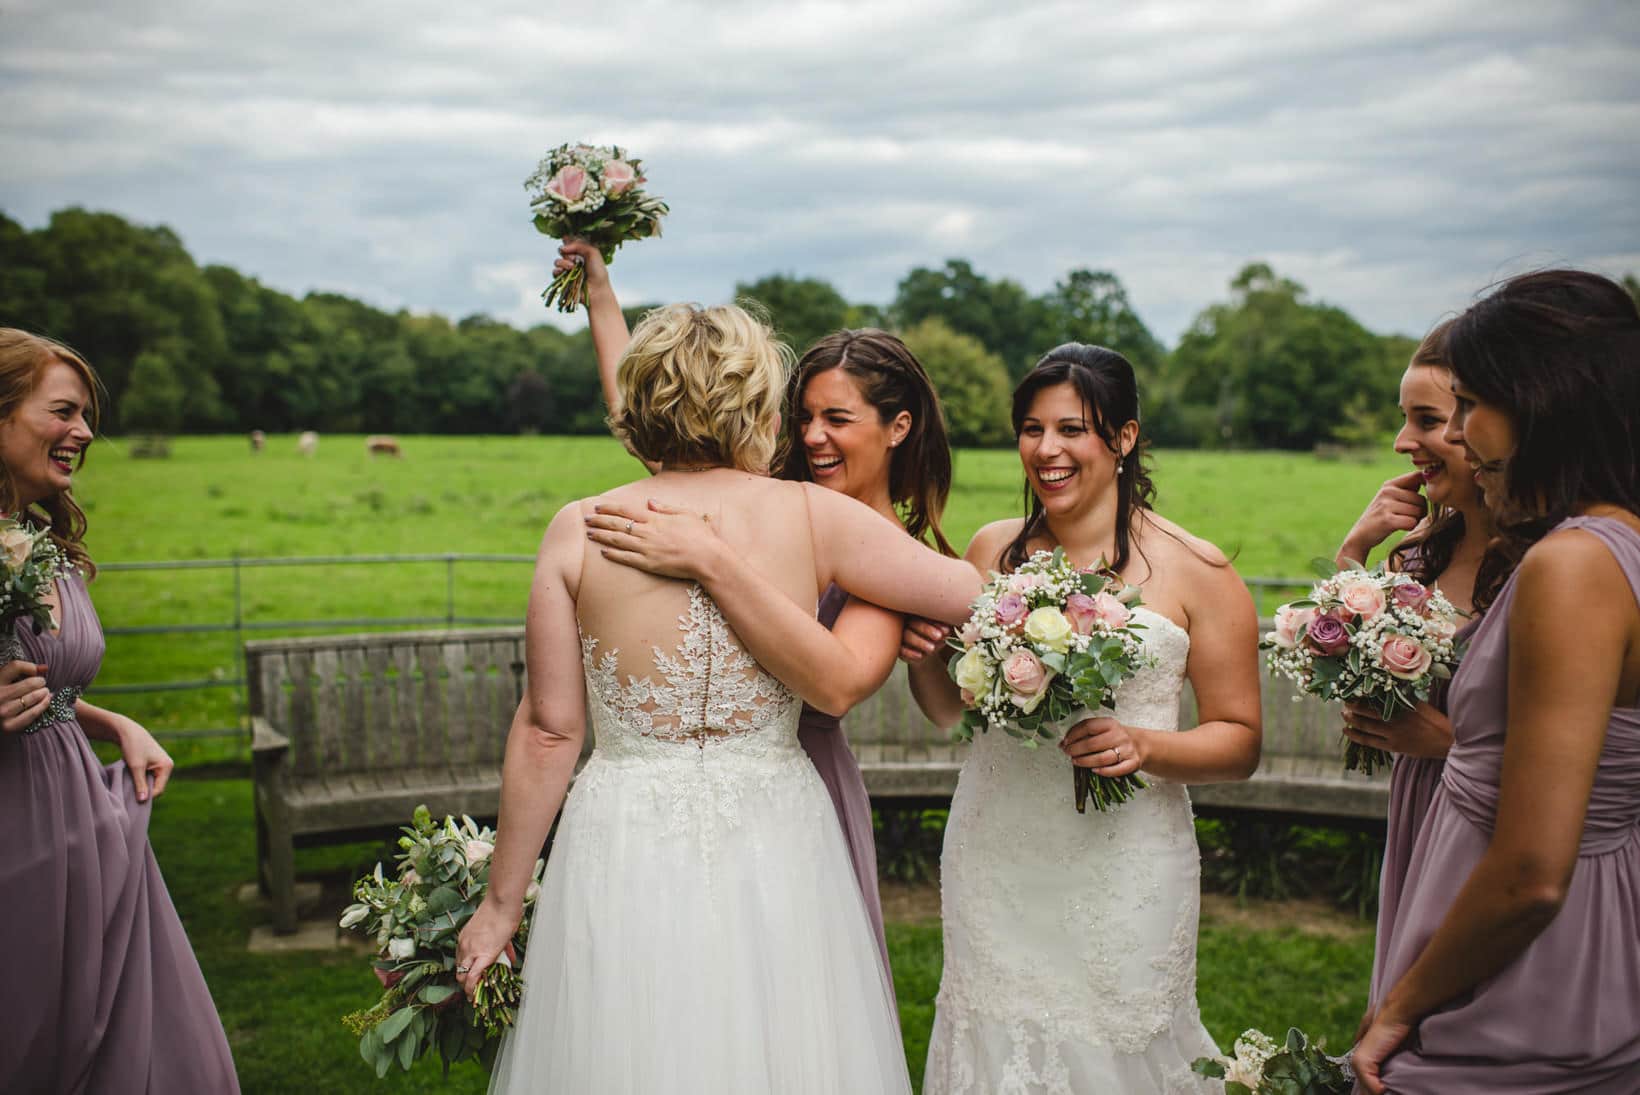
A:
(1394, 157)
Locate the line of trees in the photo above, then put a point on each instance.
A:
(184, 348)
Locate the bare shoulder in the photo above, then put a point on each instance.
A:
(985, 549)
(1572, 563)
(1181, 548)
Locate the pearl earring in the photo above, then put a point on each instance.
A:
(1119, 467)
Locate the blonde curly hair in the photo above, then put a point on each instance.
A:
(701, 386)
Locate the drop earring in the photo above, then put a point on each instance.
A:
(1119, 466)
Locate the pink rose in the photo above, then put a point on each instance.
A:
(1012, 610)
(1327, 635)
(619, 177)
(1081, 611)
(478, 851)
(969, 633)
(1404, 657)
(967, 697)
(1440, 627)
(1413, 595)
(1290, 625)
(569, 184)
(1025, 673)
(1110, 611)
(1022, 583)
(1364, 599)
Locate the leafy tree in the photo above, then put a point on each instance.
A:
(971, 381)
(1092, 306)
(1632, 284)
(1278, 370)
(1004, 318)
(155, 398)
(802, 310)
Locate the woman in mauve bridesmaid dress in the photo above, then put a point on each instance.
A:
(1514, 965)
(108, 998)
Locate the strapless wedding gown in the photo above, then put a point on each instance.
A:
(699, 928)
(1070, 939)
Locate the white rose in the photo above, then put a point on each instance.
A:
(973, 672)
(478, 851)
(401, 948)
(532, 891)
(1049, 627)
(17, 544)
(355, 914)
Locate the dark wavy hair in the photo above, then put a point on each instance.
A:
(892, 380)
(1558, 351)
(1105, 381)
(24, 359)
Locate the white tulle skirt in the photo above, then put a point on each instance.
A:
(699, 929)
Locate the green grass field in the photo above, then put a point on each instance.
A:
(214, 499)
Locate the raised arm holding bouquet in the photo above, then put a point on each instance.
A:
(592, 193)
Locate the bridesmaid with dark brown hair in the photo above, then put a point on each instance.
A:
(862, 419)
(111, 999)
(1515, 962)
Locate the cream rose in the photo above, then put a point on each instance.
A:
(18, 544)
(1049, 627)
(401, 948)
(1364, 599)
(973, 673)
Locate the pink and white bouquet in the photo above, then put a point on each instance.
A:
(1043, 649)
(580, 191)
(30, 564)
(1367, 636)
(415, 916)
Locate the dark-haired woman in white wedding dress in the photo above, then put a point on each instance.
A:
(1070, 940)
(698, 929)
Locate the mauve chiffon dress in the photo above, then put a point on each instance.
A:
(1564, 1016)
(822, 738)
(106, 997)
(1412, 785)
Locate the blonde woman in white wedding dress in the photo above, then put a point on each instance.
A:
(1070, 939)
(698, 929)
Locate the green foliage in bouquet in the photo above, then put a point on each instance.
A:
(595, 194)
(416, 918)
(1260, 1067)
(30, 561)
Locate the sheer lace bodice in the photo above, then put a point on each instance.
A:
(706, 688)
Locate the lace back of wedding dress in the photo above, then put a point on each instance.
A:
(702, 687)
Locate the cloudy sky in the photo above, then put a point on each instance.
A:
(1393, 157)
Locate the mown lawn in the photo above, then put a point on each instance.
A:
(213, 499)
(282, 1012)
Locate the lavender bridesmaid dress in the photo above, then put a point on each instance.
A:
(1412, 785)
(107, 996)
(821, 736)
(1564, 1016)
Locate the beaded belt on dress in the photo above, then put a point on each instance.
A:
(60, 709)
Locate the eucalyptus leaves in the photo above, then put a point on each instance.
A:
(416, 917)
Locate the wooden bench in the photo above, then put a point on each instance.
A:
(352, 732)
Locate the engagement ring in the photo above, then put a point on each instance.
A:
(629, 525)
(463, 969)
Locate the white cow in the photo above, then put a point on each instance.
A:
(308, 443)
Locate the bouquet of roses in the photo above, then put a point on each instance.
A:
(1043, 647)
(1369, 636)
(1260, 1067)
(595, 194)
(30, 562)
(416, 918)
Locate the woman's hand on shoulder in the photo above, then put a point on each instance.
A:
(658, 539)
(1421, 732)
(1397, 507)
(23, 695)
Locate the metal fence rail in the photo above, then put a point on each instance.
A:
(239, 626)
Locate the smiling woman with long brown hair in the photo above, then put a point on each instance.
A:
(113, 1000)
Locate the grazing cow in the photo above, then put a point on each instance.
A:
(308, 443)
(381, 445)
(258, 439)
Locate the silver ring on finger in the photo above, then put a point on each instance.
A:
(463, 969)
